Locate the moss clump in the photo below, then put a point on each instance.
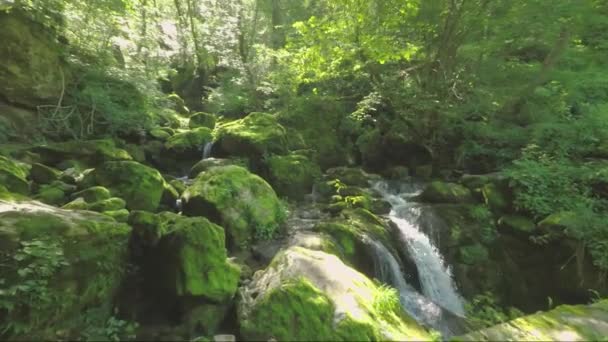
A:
(202, 120)
(139, 185)
(189, 143)
(559, 222)
(160, 134)
(78, 261)
(109, 204)
(121, 215)
(307, 295)
(441, 192)
(293, 175)
(565, 323)
(256, 135)
(473, 254)
(52, 195)
(90, 152)
(13, 176)
(195, 260)
(243, 203)
(93, 194)
(43, 174)
(516, 225)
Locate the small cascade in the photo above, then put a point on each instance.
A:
(435, 277)
(388, 271)
(207, 150)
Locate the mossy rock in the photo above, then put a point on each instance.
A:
(89, 152)
(13, 176)
(350, 176)
(121, 215)
(254, 136)
(202, 120)
(139, 185)
(243, 203)
(292, 175)
(516, 225)
(52, 195)
(307, 295)
(350, 231)
(84, 256)
(109, 204)
(170, 195)
(160, 134)
(441, 192)
(564, 323)
(43, 174)
(473, 254)
(32, 65)
(137, 152)
(187, 256)
(208, 163)
(188, 144)
(93, 194)
(560, 222)
(178, 185)
(77, 204)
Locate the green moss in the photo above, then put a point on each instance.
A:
(440, 192)
(243, 203)
(558, 222)
(516, 224)
(202, 120)
(121, 215)
(77, 204)
(93, 249)
(90, 152)
(257, 134)
(189, 142)
(206, 164)
(93, 194)
(43, 174)
(292, 175)
(160, 134)
(297, 311)
(473, 254)
(51, 195)
(109, 204)
(565, 323)
(13, 176)
(139, 185)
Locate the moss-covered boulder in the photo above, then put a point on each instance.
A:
(208, 163)
(350, 231)
(88, 152)
(307, 295)
(292, 175)
(51, 194)
(43, 174)
(184, 261)
(139, 185)
(66, 263)
(160, 134)
(32, 67)
(202, 120)
(188, 144)
(109, 204)
(441, 192)
(243, 203)
(564, 323)
(120, 215)
(13, 176)
(93, 194)
(351, 176)
(254, 136)
(516, 225)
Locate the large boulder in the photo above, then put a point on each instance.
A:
(64, 263)
(89, 152)
(183, 261)
(243, 203)
(32, 69)
(140, 186)
(293, 175)
(254, 136)
(13, 176)
(565, 323)
(309, 295)
(208, 163)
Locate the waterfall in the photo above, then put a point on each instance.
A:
(388, 271)
(207, 150)
(435, 277)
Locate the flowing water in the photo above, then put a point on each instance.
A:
(438, 288)
(207, 150)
